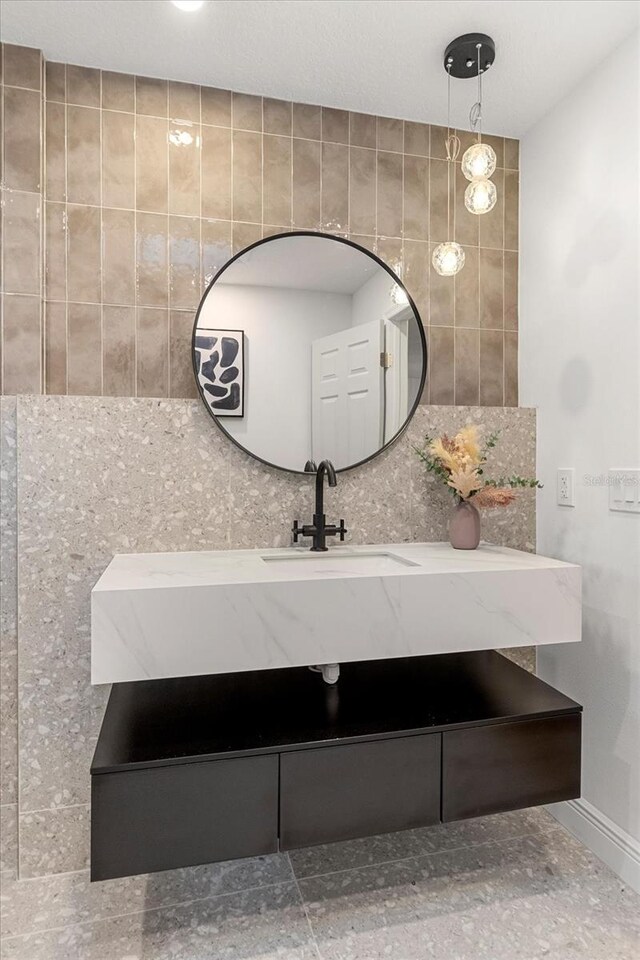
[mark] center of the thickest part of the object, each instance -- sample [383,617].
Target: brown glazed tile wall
[21,220]
[150,185]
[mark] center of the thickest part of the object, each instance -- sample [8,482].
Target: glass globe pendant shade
[480,196]
[479,161]
[448,258]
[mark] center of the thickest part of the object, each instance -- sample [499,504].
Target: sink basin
[349,564]
[159,615]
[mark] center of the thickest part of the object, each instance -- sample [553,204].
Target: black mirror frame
[395,278]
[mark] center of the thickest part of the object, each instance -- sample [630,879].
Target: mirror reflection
[306,348]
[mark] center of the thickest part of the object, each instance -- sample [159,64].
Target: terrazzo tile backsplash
[123,195]
[117,475]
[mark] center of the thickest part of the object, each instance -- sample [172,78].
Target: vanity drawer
[506,766]
[178,815]
[356,790]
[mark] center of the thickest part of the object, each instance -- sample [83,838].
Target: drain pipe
[330,671]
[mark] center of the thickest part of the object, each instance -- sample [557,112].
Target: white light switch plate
[624,490]
[565,487]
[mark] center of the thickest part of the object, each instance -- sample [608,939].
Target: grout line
[430,853]
[68,806]
[101,236]
[43,234]
[231,198]
[187,308]
[135,242]
[42,148]
[262,165]
[321,152]
[135,913]
[403,229]
[94,206]
[504,236]
[230,126]
[17,86]
[18,570]
[167,245]
[376,228]
[2,235]
[65,222]
[303,904]
[349,148]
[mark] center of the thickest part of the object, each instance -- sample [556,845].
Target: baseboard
[606,839]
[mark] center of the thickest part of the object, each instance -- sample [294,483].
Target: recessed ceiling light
[188,5]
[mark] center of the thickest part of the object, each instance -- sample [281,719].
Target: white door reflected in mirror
[307,347]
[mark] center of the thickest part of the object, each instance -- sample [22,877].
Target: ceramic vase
[464,527]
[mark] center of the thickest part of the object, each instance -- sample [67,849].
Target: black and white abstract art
[219,360]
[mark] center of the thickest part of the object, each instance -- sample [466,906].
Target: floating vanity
[163,615]
[203,769]
[219,743]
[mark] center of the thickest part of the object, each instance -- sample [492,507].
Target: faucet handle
[342,530]
[296,531]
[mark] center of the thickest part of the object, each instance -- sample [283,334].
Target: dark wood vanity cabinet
[359,790]
[506,766]
[202,769]
[175,816]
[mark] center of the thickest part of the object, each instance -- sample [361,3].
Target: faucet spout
[325,468]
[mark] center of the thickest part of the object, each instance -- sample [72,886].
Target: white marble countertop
[183,614]
[146,571]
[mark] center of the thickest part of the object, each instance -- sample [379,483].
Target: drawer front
[175,816]
[357,790]
[507,766]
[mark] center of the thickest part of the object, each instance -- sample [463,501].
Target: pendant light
[448,257]
[480,196]
[479,161]
[466,57]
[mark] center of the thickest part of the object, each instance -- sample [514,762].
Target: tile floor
[510,887]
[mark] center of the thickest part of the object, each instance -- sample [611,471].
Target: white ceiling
[321,265]
[375,56]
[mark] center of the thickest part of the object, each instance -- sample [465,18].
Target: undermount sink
[161,615]
[336,562]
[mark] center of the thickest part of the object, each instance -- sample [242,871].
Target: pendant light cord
[479,47]
[449,149]
[475,114]
[453,149]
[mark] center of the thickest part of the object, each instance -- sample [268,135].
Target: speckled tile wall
[150,185]
[100,476]
[8,637]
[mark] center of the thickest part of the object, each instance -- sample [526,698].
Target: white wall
[279,326]
[580,366]
[373,299]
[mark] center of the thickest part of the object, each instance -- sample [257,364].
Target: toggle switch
[624,490]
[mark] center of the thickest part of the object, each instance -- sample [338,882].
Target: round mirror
[307,347]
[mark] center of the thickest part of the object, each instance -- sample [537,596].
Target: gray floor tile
[8,840]
[516,900]
[57,901]
[268,924]
[327,858]
[538,896]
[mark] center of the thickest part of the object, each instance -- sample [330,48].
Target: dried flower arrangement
[458,461]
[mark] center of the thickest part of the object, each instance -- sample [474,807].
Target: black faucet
[320,529]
